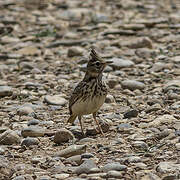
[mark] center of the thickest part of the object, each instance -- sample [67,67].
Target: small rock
[140,166]
[2,150]
[140,145]
[131,113]
[159,66]
[72,151]
[87,155]
[33,122]
[139,43]
[33,131]
[150,176]
[9,137]
[114,174]
[109,99]
[154,107]
[29,50]
[75,51]
[121,63]
[5,91]
[166,118]
[112,83]
[168,167]
[132,85]
[25,110]
[85,167]
[61,176]
[55,100]
[134,159]
[77,159]
[63,135]
[124,127]
[178,146]
[87,140]
[145,53]
[114,166]
[29,141]
[19,178]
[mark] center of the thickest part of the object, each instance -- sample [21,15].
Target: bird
[90,94]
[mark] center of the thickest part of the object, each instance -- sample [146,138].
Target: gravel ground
[44,48]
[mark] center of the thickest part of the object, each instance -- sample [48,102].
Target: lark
[89,95]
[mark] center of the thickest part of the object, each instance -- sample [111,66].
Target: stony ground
[44,47]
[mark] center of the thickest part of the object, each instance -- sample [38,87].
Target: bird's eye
[97,63]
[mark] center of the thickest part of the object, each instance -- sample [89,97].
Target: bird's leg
[81,124]
[97,122]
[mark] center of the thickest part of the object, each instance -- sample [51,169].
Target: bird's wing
[77,94]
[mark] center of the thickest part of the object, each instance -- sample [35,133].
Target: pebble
[87,140]
[33,131]
[166,118]
[114,166]
[139,43]
[168,167]
[19,178]
[25,111]
[140,166]
[61,176]
[75,51]
[121,63]
[72,151]
[150,176]
[114,174]
[5,91]
[140,145]
[29,141]
[131,113]
[63,135]
[2,150]
[145,53]
[124,128]
[55,100]
[87,155]
[33,122]
[134,159]
[178,146]
[85,167]
[77,159]
[9,137]
[132,85]
[109,99]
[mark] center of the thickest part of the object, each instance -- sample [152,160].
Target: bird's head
[96,64]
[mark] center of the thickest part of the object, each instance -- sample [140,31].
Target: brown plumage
[89,95]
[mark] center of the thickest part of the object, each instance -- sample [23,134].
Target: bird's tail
[71,119]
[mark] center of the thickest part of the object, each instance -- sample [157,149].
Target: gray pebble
[132,85]
[114,174]
[33,131]
[9,137]
[168,167]
[124,127]
[131,113]
[25,110]
[114,166]
[29,141]
[121,63]
[55,100]
[85,167]
[140,145]
[5,91]
[75,51]
[33,122]
[63,135]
